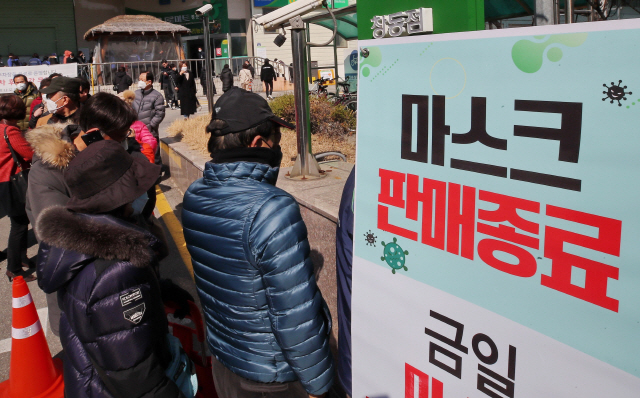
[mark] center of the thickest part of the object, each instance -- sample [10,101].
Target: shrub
[326,118]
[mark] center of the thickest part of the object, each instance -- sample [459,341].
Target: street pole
[207,65]
[568,11]
[306,166]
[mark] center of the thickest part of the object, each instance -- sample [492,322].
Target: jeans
[17,246]
[230,385]
[268,85]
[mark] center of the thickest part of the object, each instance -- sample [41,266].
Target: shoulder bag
[15,196]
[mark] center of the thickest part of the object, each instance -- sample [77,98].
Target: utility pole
[207,65]
[306,165]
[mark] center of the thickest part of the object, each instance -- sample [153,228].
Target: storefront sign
[410,22]
[497,222]
[34,74]
[218,17]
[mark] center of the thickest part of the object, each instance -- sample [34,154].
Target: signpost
[497,225]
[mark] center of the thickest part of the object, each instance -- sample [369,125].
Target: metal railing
[101,75]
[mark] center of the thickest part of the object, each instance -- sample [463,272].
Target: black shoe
[27,276]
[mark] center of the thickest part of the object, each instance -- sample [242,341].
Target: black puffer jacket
[226,76]
[113,327]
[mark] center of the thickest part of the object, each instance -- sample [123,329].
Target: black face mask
[277,158]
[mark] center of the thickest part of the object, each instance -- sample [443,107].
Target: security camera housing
[204,10]
[284,14]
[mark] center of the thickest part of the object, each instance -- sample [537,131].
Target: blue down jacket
[266,318]
[113,327]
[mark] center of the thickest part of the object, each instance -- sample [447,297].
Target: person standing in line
[122,80]
[187,91]
[268,325]
[344,262]
[105,267]
[1,62]
[85,88]
[149,105]
[12,110]
[245,77]
[268,75]
[45,60]
[226,76]
[62,101]
[28,92]
[35,60]
[37,106]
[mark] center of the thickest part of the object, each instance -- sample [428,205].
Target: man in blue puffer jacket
[267,323]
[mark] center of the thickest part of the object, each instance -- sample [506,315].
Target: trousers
[268,85]
[230,385]
[17,245]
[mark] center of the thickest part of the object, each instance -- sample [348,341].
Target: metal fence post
[207,69]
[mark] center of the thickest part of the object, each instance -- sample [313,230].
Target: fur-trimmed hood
[99,236]
[52,145]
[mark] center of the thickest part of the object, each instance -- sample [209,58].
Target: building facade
[46,27]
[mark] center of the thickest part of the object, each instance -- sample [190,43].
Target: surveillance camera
[204,10]
[284,14]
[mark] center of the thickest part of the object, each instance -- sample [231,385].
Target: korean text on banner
[34,74]
[497,225]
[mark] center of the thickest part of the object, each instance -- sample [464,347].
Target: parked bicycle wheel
[352,105]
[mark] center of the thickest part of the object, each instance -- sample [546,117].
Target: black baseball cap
[63,83]
[242,110]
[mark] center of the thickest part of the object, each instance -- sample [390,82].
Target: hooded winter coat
[113,326]
[226,76]
[149,104]
[266,318]
[27,96]
[53,150]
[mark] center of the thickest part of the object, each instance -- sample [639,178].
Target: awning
[346,18]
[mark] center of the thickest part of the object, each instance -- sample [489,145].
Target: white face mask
[142,84]
[21,86]
[52,105]
[184,69]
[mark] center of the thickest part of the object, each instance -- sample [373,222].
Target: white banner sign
[34,74]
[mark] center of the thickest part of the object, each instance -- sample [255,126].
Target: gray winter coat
[150,107]
[52,152]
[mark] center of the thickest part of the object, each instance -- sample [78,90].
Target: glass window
[238,26]
[239,46]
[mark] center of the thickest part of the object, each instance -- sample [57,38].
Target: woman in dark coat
[12,109]
[172,81]
[122,81]
[226,76]
[187,91]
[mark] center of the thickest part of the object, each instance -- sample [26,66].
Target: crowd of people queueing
[68,58]
[92,163]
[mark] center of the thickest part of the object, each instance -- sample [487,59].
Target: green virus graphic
[616,92]
[528,55]
[394,256]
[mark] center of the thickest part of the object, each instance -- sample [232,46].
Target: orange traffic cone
[33,373]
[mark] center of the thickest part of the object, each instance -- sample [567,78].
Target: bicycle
[319,88]
[347,98]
